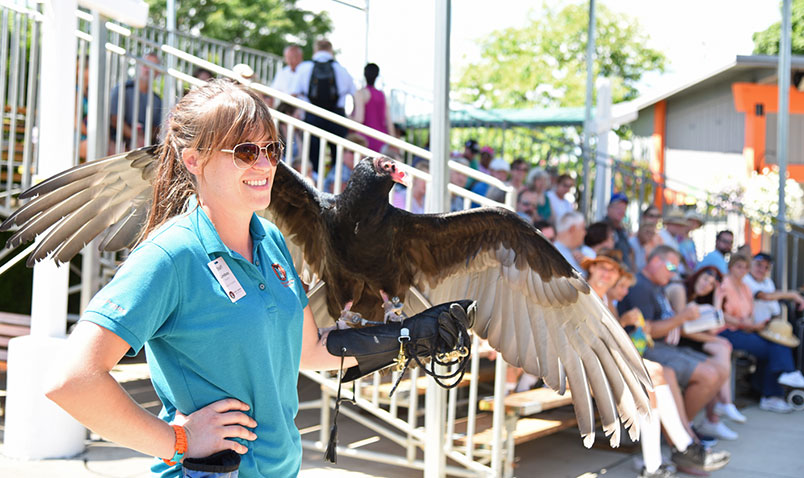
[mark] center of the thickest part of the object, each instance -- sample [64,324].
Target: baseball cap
[471,144]
[488,150]
[499,164]
[763,256]
[618,197]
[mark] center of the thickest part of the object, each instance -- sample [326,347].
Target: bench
[528,415]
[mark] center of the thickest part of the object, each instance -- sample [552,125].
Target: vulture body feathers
[533,307]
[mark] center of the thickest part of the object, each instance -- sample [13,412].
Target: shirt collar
[208,235]
[323,56]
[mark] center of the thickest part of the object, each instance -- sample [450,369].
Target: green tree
[266,25]
[766,42]
[543,63]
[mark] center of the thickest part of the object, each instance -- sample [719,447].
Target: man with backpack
[324,83]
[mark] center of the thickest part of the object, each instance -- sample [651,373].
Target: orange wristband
[181,446]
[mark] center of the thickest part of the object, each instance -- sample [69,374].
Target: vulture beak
[393,169]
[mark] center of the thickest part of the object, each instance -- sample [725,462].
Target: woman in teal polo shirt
[212,295]
[224,347]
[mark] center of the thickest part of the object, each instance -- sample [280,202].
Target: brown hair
[218,115]
[736,258]
[689,284]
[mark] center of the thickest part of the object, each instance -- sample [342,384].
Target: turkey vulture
[533,307]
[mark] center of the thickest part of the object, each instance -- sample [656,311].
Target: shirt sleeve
[142,296]
[642,299]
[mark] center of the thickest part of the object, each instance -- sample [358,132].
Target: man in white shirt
[285,78]
[766,297]
[344,85]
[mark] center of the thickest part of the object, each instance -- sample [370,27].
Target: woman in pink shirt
[371,108]
[775,367]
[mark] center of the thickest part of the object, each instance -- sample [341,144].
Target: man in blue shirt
[718,258]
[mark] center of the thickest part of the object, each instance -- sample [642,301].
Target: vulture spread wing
[532,307]
[111,194]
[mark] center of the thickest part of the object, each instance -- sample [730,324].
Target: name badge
[227,280]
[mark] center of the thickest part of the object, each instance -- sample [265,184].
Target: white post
[434,456]
[35,426]
[603,166]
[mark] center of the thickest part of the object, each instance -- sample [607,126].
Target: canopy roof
[502,118]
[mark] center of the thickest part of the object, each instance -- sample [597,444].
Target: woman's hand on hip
[208,428]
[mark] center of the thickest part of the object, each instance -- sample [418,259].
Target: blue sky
[696,35]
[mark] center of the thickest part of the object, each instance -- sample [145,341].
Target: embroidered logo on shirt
[282,275]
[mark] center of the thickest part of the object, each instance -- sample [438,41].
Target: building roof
[724,72]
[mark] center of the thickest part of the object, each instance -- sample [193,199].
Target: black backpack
[323,90]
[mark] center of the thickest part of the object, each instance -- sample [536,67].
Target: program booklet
[710,318]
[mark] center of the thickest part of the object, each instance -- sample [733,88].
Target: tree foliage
[766,42]
[266,25]
[543,64]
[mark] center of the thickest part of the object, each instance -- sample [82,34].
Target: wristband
[180,448]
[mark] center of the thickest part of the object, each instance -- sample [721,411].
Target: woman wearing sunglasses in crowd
[776,366]
[610,279]
[212,294]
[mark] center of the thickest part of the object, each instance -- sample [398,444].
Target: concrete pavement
[770,446]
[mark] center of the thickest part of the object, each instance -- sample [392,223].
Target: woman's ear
[191,160]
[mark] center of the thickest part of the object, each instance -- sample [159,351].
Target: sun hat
[611,256]
[677,218]
[781,332]
[693,215]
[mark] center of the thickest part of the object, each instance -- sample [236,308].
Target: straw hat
[612,256]
[676,217]
[781,332]
[693,215]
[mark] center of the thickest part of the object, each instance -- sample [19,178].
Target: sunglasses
[670,266]
[245,155]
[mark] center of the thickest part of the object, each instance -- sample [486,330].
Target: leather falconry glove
[438,330]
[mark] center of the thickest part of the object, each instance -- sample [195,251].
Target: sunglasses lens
[246,154]
[274,151]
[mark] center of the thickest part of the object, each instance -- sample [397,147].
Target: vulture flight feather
[533,307]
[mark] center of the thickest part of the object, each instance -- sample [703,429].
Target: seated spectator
[570,231]
[526,205]
[643,242]
[547,229]
[776,367]
[470,150]
[650,215]
[458,203]
[539,181]
[347,166]
[674,232]
[499,169]
[605,273]
[615,213]
[145,113]
[519,172]
[723,244]
[766,297]
[702,288]
[559,205]
[686,246]
[392,151]
[418,191]
[696,372]
[484,163]
[599,235]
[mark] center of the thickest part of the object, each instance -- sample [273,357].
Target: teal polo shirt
[201,347]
